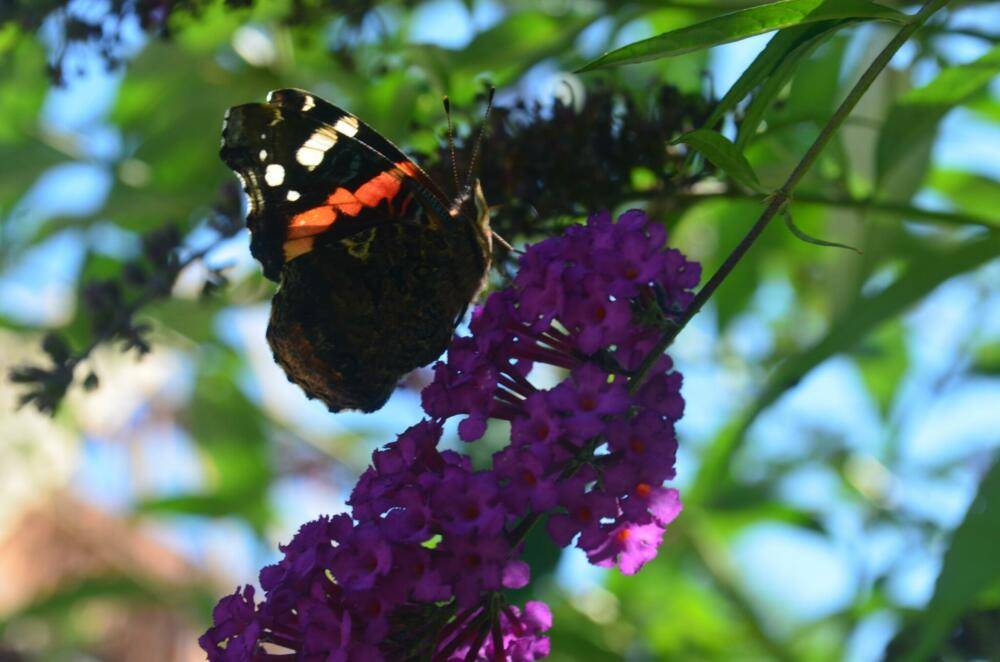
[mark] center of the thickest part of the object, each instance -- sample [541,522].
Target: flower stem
[778,199]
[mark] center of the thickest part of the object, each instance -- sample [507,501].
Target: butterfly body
[375,264]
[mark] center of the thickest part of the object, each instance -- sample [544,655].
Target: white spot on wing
[347,125]
[292,195]
[274,174]
[312,151]
[308,104]
[263,155]
[251,202]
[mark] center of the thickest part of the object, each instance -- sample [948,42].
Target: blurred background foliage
[842,410]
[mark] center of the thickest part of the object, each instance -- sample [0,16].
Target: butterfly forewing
[310,180]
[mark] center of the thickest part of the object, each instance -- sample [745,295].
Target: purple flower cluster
[424,542]
[590,451]
[418,567]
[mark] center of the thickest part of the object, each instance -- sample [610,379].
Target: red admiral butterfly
[376,264]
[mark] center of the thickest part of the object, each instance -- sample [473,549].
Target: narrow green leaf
[742,24]
[911,124]
[777,51]
[809,239]
[725,155]
[971,193]
[209,504]
[775,83]
[971,565]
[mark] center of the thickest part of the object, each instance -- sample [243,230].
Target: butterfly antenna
[451,143]
[479,138]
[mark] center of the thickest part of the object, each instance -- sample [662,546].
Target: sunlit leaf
[971,193]
[742,24]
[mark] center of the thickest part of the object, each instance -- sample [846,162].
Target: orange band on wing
[384,186]
[297,247]
[310,222]
[345,202]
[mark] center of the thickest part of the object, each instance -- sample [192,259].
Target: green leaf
[778,49]
[911,125]
[194,319]
[211,504]
[742,24]
[971,566]
[725,155]
[928,270]
[812,95]
[778,79]
[23,91]
[971,193]
[883,360]
[809,239]
[986,359]
[986,107]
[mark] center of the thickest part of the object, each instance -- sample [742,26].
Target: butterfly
[376,265]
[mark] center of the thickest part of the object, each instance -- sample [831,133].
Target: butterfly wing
[292,100]
[376,264]
[315,174]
